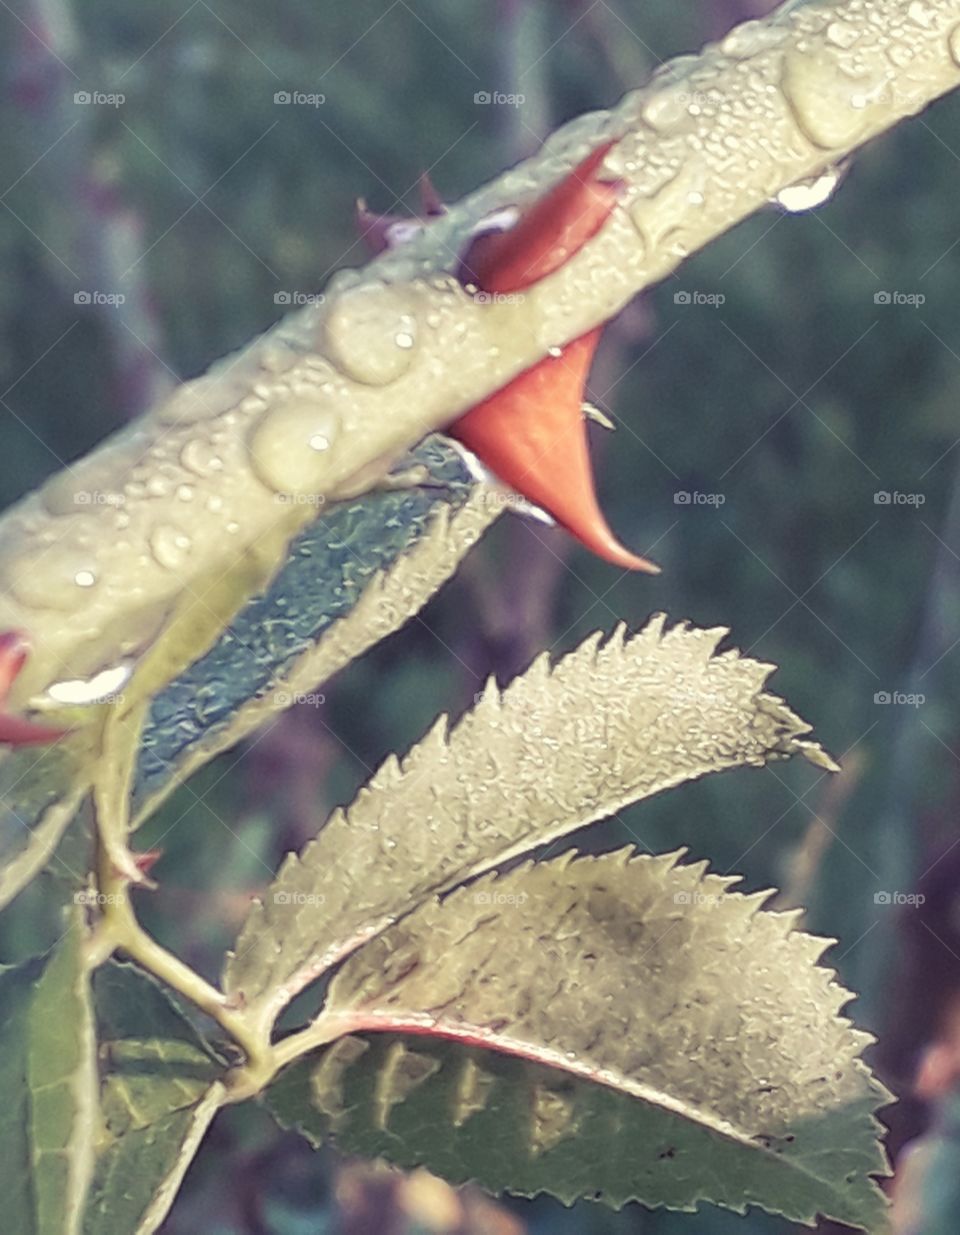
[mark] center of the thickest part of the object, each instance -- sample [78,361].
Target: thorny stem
[118,929]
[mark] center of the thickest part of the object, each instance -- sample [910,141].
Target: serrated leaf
[617,1028]
[47,1090]
[562,747]
[160,1088]
[353,576]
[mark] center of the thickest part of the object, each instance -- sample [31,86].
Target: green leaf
[47,1090]
[617,1028]
[560,748]
[356,574]
[41,789]
[160,1089]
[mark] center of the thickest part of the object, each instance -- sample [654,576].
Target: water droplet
[371,333]
[276,357]
[921,14]
[50,580]
[290,447]
[750,38]
[655,215]
[819,94]
[158,485]
[842,34]
[900,54]
[80,691]
[806,194]
[953,43]
[200,456]
[170,546]
[555,352]
[667,109]
[185,493]
[251,405]
[201,399]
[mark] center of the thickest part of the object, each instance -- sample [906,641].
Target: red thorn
[547,234]
[14,647]
[14,730]
[146,861]
[532,433]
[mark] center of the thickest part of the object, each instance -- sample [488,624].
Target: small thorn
[598,416]
[431,203]
[146,861]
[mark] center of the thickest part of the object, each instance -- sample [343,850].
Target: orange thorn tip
[532,436]
[531,433]
[15,730]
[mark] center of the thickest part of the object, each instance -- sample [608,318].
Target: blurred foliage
[797,400]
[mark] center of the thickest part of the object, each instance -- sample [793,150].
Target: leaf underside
[47,1090]
[159,1091]
[344,557]
[563,746]
[573,1028]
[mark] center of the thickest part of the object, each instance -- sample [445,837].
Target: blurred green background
[783,412]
